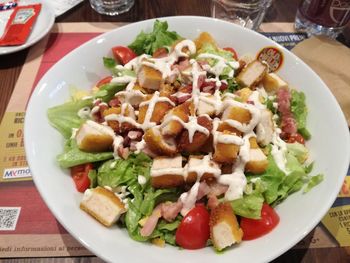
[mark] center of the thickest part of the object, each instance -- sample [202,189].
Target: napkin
[331,61]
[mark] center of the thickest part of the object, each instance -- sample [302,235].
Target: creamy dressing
[141,179]
[279,151]
[140,146]
[123,79]
[84,113]
[117,142]
[189,199]
[213,100]
[202,166]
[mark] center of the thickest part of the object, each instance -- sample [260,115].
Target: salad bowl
[299,214]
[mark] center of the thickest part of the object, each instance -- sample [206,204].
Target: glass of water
[246,13]
[111,7]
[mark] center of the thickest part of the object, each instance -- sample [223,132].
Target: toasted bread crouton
[252,74]
[272,82]
[205,168]
[206,105]
[159,110]
[167,172]
[103,205]
[237,113]
[125,110]
[265,128]
[171,126]
[224,228]
[225,152]
[94,137]
[149,78]
[158,144]
[199,138]
[258,161]
[134,96]
[244,94]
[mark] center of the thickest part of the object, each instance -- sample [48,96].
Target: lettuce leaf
[150,42]
[298,150]
[107,91]
[72,156]
[299,110]
[65,117]
[248,206]
[314,180]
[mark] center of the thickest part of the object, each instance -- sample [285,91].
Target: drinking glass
[246,13]
[111,7]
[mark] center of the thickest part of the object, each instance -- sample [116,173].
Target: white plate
[42,26]
[299,214]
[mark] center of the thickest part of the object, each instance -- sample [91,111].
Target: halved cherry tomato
[234,53]
[193,231]
[296,138]
[123,54]
[80,176]
[103,81]
[254,228]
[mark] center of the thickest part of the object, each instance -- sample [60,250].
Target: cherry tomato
[234,53]
[80,176]
[254,228]
[193,231]
[296,138]
[123,54]
[103,81]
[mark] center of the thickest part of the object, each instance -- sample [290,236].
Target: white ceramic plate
[42,26]
[299,213]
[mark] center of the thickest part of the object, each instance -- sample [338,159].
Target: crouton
[126,110]
[134,96]
[234,113]
[149,78]
[199,138]
[167,172]
[258,161]
[252,74]
[159,110]
[103,205]
[94,137]
[205,168]
[206,105]
[224,228]
[265,128]
[272,82]
[225,152]
[158,144]
[244,94]
[174,127]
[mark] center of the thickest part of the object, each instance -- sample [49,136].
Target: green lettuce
[299,110]
[298,150]
[65,117]
[248,206]
[148,43]
[107,91]
[72,156]
[313,181]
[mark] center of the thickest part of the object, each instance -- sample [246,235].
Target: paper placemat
[27,227]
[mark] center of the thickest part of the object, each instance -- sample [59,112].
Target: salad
[185,143]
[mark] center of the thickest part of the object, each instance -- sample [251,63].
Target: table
[280,11]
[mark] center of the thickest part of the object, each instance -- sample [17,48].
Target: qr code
[9,217]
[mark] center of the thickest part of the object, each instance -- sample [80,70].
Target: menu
[27,227]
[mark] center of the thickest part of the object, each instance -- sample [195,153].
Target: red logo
[272,56]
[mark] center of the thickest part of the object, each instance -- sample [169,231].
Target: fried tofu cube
[158,144]
[257,159]
[103,205]
[149,78]
[94,137]
[171,126]
[272,82]
[224,228]
[265,128]
[167,172]
[252,74]
[206,168]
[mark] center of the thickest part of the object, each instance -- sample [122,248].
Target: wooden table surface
[280,11]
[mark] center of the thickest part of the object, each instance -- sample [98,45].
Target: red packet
[20,25]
